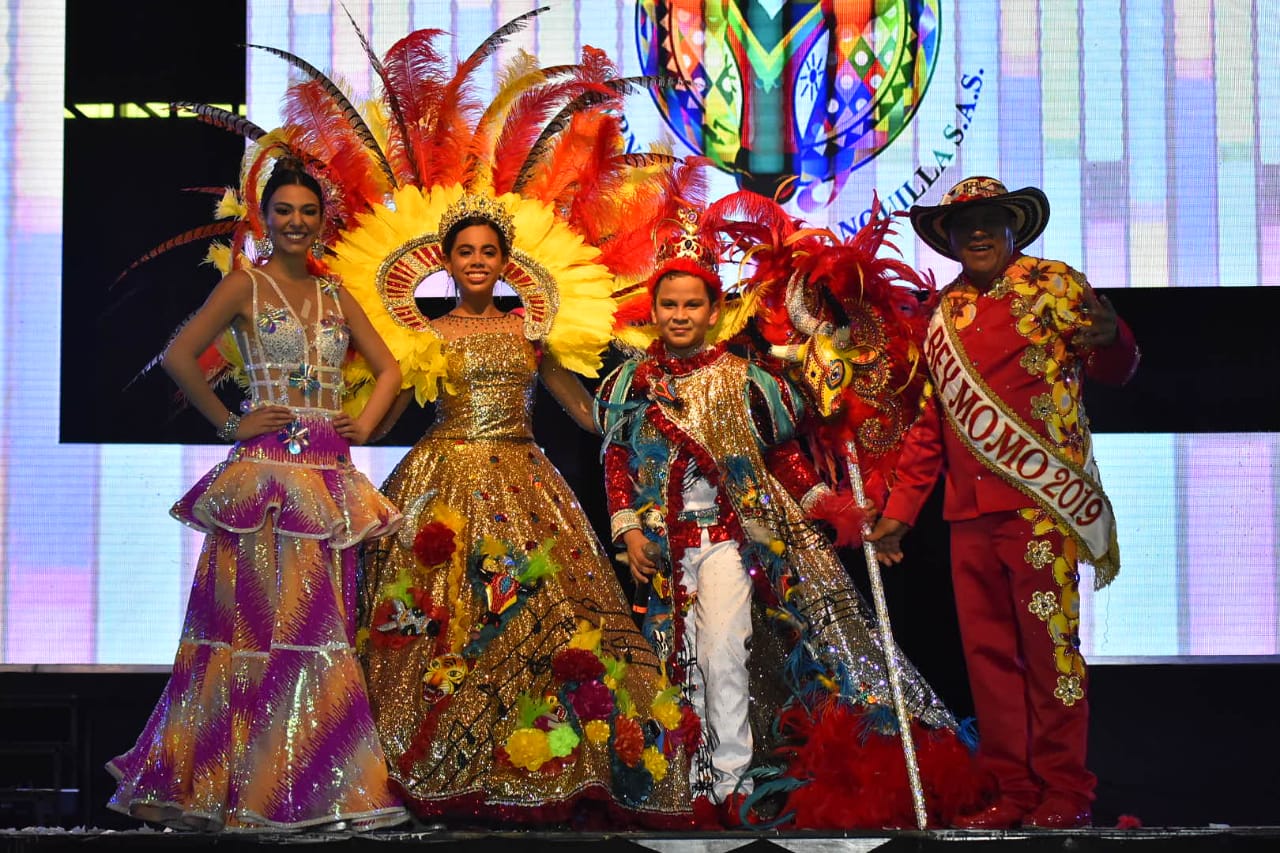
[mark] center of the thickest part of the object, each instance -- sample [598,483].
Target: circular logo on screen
[775,90]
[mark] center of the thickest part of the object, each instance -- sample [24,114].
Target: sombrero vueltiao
[1029,207]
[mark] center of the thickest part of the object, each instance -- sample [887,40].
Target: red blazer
[1008,333]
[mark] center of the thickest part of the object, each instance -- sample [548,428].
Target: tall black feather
[204,232]
[218,117]
[349,112]
[393,100]
[500,36]
[598,93]
[644,159]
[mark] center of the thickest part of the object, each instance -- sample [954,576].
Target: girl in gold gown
[508,680]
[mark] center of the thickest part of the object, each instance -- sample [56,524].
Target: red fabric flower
[628,740]
[577,665]
[434,544]
[591,700]
[690,733]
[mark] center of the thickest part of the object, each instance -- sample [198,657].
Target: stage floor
[1175,840]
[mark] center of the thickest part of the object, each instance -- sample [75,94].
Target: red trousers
[1017,598]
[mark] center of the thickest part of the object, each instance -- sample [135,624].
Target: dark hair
[450,238]
[713,291]
[289,172]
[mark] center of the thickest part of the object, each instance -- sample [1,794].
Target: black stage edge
[1075,841]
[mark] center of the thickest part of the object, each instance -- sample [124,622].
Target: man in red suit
[1007,349]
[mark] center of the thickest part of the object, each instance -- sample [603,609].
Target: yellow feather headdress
[545,160]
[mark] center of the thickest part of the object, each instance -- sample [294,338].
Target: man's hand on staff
[887,536]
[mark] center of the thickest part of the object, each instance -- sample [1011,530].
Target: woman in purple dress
[265,722]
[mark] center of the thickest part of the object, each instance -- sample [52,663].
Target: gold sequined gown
[497,700]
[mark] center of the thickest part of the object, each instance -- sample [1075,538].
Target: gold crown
[687,244]
[482,206]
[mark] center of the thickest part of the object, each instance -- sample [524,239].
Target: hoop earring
[317,250]
[263,247]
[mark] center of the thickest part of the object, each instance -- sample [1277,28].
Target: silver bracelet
[227,432]
[811,497]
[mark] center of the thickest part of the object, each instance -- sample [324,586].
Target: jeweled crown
[483,206]
[687,244]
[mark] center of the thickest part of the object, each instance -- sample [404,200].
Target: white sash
[1070,493]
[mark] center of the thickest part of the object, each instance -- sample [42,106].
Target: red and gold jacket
[1018,337]
[713,414]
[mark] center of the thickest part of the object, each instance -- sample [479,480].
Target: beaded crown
[483,206]
[687,244]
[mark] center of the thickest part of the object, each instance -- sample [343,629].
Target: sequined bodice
[493,375]
[291,361]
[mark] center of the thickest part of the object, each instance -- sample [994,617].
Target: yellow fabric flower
[1065,571]
[586,637]
[668,714]
[655,762]
[528,748]
[1043,605]
[597,732]
[1070,603]
[1039,553]
[1069,689]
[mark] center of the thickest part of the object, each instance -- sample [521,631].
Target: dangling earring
[263,247]
[317,250]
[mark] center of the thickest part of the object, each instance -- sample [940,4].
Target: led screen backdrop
[1155,138]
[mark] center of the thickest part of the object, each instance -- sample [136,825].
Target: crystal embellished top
[289,361]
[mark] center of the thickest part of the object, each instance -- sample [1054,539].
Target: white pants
[717,631]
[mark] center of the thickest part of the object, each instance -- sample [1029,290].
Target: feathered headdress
[734,231]
[545,160]
[851,319]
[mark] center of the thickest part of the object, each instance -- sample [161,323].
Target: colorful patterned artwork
[789,93]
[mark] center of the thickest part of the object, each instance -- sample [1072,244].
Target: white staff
[886,642]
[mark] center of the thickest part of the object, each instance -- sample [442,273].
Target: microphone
[640,593]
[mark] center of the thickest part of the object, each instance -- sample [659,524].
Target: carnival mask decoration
[443,677]
[501,586]
[408,621]
[835,358]
[850,320]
